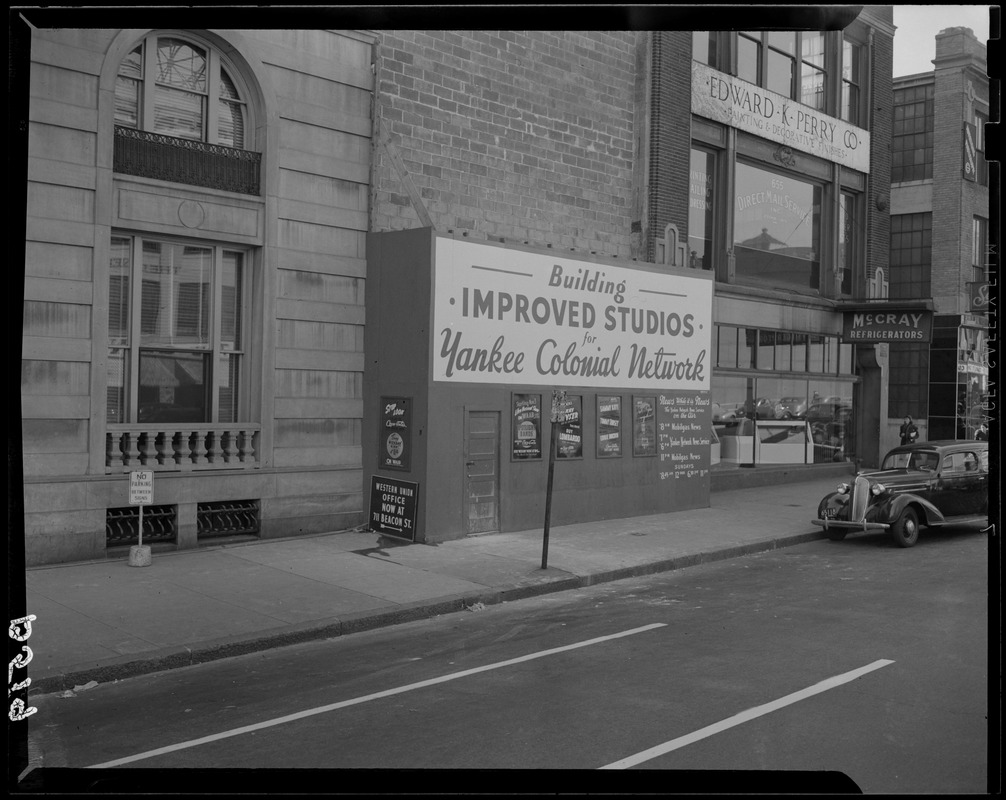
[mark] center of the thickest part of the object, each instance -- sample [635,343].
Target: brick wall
[878,224]
[955,201]
[511,135]
[670,134]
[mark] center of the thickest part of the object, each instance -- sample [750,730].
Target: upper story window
[177,87]
[912,134]
[852,82]
[911,256]
[790,63]
[777,229]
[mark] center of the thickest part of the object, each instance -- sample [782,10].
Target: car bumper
[845,525]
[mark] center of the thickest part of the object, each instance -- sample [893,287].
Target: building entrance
[482,437]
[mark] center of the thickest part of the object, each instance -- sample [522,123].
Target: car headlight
[877,488]
[843,488]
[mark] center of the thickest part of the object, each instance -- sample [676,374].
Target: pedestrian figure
[909,433]
[982,434]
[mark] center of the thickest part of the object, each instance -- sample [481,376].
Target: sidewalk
[105,620]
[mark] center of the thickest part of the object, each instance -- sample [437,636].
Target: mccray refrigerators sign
[509,316]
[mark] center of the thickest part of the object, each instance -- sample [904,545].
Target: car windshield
[918,460]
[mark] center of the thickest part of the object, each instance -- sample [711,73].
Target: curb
[357,622]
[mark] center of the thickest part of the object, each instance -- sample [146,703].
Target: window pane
[704,47]
[812,87]
[177,281]
[127,102]
[231,124]
[132,65]
[812,48]
[780,74]
[116,381]
[172,387]
[815,352]
[700,209]
[119,270]
[830,415]
[799,352]
[726,353]
[181,65]
[783,40]
[765,357]
[730,396]
[747,59]
[776,228]
[230,301]
[178,113]
[227,403]
[783,351]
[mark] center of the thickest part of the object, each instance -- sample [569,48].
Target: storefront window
[782,418]
[830,418]
[777,229]
[700,209]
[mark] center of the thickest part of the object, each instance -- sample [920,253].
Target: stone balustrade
[181,447]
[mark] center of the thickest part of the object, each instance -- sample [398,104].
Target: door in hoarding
[482,444]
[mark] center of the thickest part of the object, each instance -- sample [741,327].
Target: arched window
[178,87]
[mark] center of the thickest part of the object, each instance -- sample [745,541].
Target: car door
[973,486]
[962,484]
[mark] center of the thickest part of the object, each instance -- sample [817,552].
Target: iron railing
[169,158]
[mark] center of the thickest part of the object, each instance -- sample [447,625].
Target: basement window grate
[122,525]
[227,518]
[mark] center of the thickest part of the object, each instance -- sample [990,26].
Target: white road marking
[745,716]
[366,698]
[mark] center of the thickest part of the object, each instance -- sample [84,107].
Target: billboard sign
[515,317]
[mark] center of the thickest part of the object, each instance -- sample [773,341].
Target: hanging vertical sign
[970,159]
[396,440]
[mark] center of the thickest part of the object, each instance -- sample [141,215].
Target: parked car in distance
[924,484]
[723,412]
[791,408]
[762,408]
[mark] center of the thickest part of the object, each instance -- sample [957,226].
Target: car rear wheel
[905,530]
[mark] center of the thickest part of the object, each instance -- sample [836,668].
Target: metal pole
[548,492]
[141,525]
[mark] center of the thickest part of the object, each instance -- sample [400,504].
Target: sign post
[141,493]
[558,401]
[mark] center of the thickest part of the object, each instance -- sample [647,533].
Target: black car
[924,484]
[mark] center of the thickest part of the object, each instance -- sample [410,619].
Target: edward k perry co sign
[509,316]
[742,105]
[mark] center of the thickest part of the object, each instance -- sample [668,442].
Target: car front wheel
[905,530]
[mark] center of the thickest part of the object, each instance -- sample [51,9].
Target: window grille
[227,518]
[122,525]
